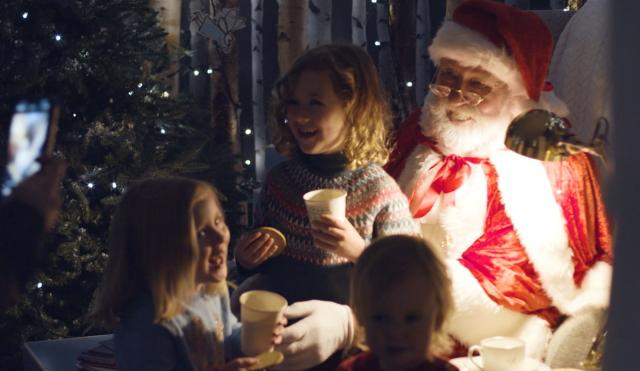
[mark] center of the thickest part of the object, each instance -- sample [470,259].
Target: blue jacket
[204,335]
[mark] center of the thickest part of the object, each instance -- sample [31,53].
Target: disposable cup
[326,201]
[260,312]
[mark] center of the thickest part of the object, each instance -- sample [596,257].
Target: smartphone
[31,135]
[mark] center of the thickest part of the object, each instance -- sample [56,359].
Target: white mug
[499,353]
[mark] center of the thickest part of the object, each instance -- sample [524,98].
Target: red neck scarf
[443,178]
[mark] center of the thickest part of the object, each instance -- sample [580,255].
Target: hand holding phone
[31,135]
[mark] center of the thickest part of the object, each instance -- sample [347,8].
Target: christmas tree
[106,61]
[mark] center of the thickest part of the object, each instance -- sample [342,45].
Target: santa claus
[526,242]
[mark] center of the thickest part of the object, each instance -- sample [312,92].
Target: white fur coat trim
[472,49]
[538,220]
[476,316]
[456,226]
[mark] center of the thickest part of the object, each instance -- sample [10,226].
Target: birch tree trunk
[199,85]
[359,23]
[423,39]
[169,15]
[319,22]
[224,91]
[402,15]
[257,90]
[385,64]
[292,31]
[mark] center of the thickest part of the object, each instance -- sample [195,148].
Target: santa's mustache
[441,110]
[480,134]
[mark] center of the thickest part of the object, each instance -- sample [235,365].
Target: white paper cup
[260,311]
[326,201]
[499,353]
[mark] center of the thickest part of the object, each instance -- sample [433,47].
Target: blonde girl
[331,119]
[164,288]
[401,295]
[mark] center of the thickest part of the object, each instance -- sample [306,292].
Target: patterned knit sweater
[375,207]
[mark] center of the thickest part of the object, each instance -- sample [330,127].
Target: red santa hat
[513,45]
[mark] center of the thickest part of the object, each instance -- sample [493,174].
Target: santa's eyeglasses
[444,91]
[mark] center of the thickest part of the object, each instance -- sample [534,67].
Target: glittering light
[25,15]
[209,71]
[165,94]
[39,285]
[247,162]
[140,85]
[567,9]
[247,131]
[377,43]
[74,114]
[90,185]
[374,1]
[57,37]
[196,72]
[131,92]
[162,131]
[409,84]
[114,185]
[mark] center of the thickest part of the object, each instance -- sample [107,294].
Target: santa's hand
[338,236]
[254,248]
[324,327]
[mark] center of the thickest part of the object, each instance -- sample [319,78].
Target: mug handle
[472,350]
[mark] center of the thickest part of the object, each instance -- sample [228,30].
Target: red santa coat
[525,241]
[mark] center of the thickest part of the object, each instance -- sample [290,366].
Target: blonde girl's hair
[389,260]
[153,247]
[356,83]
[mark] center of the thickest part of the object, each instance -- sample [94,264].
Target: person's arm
[25,216]
[21,252]
[394,216]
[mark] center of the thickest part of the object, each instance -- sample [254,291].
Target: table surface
[58,355]
[464,364]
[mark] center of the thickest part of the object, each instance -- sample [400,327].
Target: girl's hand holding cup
[337,235]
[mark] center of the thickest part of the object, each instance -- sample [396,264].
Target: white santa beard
[483,135]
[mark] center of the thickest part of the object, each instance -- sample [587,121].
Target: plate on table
[464,364]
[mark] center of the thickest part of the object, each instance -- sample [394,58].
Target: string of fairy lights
[197,72]
[91,185]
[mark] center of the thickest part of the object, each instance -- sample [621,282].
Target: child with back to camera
[331,119]
[164,287]
[400,294]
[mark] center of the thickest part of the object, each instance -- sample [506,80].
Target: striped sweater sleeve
[394,216]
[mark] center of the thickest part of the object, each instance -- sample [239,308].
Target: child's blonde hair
[152,247]
[389,260]
[355,81]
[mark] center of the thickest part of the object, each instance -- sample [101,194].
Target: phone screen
[27,139]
